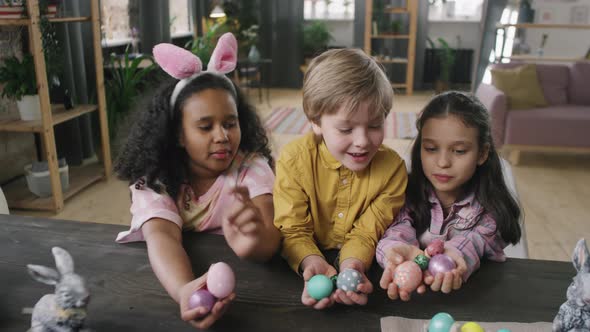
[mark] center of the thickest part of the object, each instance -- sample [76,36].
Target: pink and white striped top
[467,228]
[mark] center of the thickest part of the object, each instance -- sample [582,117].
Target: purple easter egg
[202,298]
[440,264]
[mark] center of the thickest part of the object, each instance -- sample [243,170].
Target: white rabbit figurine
[574,314]
[66,309]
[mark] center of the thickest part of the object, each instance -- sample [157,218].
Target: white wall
[468,31]
[342,31]
[561,42]
[455,19]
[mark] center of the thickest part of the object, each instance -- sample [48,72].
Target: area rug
[292,120]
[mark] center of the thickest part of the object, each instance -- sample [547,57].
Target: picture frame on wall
[579,15]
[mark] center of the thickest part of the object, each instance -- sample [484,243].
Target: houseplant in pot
[19,83]
[316,37]
[446,57]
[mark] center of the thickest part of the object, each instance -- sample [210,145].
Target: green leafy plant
[447,58]
[250,35]
[51,46]
[316,37]
[124,85]
[18,77]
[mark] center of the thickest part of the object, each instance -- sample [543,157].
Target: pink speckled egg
[221,280]
[201,298]
[436,247]
[407,276]
[441,264]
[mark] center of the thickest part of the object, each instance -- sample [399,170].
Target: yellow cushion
[520,85]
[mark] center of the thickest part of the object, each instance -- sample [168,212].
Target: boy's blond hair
[345,77]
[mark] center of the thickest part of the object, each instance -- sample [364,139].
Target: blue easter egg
[348,280]
[441,322]
[319,286]
[504,330]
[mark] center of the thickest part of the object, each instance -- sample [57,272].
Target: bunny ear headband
[185,66]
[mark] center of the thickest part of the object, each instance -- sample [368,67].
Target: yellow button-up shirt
[320,204]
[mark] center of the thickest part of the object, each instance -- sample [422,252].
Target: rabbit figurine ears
[185,66]
[49,276]
[581,257]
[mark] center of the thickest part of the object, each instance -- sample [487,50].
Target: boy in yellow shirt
[338,187]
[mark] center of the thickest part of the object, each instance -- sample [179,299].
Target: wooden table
[126,296]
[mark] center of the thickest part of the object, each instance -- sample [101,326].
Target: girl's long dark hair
[152,149]
[487,182]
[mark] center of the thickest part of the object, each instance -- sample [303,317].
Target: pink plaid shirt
[467,228]
[203,213]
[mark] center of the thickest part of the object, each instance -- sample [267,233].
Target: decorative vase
[29,108]
[254,54]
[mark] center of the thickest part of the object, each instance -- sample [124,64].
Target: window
[328,10]
[455,10]
[181,23]
[115,22]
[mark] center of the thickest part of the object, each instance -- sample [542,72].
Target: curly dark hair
[487,182]
[152,150]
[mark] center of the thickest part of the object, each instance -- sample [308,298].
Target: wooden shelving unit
[17,193]
[535,58]
[411,9]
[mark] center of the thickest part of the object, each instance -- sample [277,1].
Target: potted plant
[446,56]
[126,81]
[316,37]
[250,40]
[20,84]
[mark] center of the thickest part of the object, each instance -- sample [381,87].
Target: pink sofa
[561,126]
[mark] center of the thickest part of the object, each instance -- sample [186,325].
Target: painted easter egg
[319,286]
[407,276]
[202,298]
[441,322]
[440,264]
[436,247]
[221,280]
[504,330]
[348,280]
[422,261]
[471,327]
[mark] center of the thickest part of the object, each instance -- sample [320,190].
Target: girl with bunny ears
[198,159]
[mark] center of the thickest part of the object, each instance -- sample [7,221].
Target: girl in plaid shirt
[456,193]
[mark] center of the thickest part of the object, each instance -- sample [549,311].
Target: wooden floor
[554,189]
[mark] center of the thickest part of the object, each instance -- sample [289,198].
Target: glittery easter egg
[436,247]
[320,286]
[407,276]
[441,322]
[440,264]
[220,280]
[348,280]
[422,261]
[471,327]
[201,298]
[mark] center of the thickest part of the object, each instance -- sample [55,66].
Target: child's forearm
[168,258]
[401,232]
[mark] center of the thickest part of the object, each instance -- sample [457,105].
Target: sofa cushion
[521,85]
[554,80]
[579,89]
[565,125]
